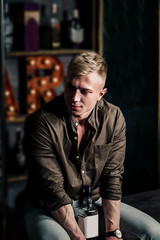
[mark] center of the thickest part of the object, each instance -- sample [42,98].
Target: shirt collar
[92,119]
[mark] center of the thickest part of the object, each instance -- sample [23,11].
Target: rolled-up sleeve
[45,187]
[111,179]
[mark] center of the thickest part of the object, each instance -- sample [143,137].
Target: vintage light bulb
[56,67]
[54,79]
[32,91]
[42,82]
[31,62]
[11,108]
[7,93]
[48,93]
[32,106]
[46,61]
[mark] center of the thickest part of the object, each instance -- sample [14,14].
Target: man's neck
[82,130]
[82,122]
[82,118]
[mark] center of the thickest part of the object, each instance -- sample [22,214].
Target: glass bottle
[64,30]
[88,215]
[9,28]
[76,31]
[44,29]
[55,27]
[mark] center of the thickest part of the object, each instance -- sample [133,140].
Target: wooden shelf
[16,119]
[12,179]
[45,52]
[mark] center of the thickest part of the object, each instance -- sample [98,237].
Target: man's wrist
[116,233]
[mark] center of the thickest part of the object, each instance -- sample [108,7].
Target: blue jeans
[134,224]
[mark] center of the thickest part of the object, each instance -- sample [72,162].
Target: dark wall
[131,50]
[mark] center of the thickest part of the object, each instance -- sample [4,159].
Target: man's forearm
[111,209]
[65,217]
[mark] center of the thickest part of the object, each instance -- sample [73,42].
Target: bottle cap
[76,13]
[54,7]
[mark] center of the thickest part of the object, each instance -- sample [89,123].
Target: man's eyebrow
[82,89]
[86,89]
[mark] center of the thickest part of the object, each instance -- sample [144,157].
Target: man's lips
[75,107]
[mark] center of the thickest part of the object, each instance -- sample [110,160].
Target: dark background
[131,50]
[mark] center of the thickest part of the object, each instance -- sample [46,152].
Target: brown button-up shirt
[57,170]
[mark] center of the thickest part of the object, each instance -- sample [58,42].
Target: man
[78,139]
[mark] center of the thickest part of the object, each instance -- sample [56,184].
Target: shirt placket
[85,179]
[80,162]
[76,154]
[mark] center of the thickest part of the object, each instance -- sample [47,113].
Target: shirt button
[76,124]
[77,157]
[75,138]
[83,171]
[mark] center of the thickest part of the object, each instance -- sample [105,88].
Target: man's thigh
[138,224]
[134,223]
[41,226]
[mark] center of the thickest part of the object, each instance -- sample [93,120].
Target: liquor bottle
[64,30]
[55,27]
[9,28]
[88,215]
[44,29]
[31,26]
[19,156]
[76,31]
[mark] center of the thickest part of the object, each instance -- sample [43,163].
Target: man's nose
[77,96]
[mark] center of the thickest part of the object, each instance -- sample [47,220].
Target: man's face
[81,94]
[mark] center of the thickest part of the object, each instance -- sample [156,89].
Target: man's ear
[102,92]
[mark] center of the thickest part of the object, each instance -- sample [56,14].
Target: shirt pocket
[101,153]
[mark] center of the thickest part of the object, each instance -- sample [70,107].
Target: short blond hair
[88,62]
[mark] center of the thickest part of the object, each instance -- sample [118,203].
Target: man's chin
[76,111]
[76,114]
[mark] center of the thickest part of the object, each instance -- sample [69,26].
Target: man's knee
[140,223]
[41,226]
[152,231]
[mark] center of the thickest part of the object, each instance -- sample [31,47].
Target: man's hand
[65,217]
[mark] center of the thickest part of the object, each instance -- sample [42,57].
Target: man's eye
[84,92]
